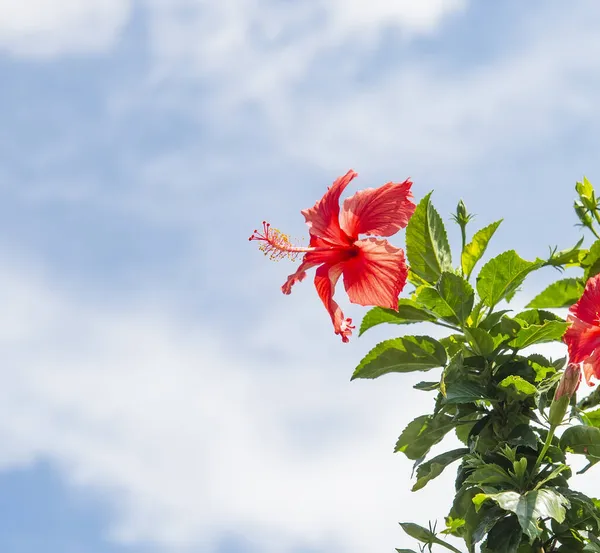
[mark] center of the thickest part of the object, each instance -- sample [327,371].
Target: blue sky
[158,391]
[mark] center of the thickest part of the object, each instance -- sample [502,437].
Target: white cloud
[190,438]
[299,67]
[49,28]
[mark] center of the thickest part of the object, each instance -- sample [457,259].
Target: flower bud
[583,214]
[567,386]
[462,216]
[585,190]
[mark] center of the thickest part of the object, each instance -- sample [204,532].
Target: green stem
[544,449]
[452,327]
[594,232]
[463,235]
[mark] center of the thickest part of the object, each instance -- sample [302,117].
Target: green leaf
[590,401]
[501,276]
[481,341]
[476,248]
[453,525]
[425,536]
[451,299]
[517,387]
[562,293]
[427,247]
[427,386]
[453,344]
[405,550]
[550,331]
[408,312]
[536,317]
[582,439]
[458,295]
[504,537]
[464,391]
[592,418]
[529,507]
[422,433]
[591,261]
[404,354]
[490,473]
[522,434]
[452,371]
[434,467]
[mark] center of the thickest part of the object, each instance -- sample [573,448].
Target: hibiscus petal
[581,338]
[380,211]
[587,308]
[298,276]
[376,274]
[326,278]
[591,367]
[323,218]
[312,259]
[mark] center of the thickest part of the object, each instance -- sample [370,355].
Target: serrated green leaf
[523,435]
[501,276]
[504,537]
[592,418]
[536,317]
[475,249]
[591,262]
[590,401]
[529,507]
[481,341]
[453,525]
[408,312]
[452,343]
[404,354]
[464,391]
[452,371]
[517,387]
[550,331]
[434,467]
[458,295]
[451,299]
[582,439]
[422,433]
[490,473]
[427,248]
[562,293]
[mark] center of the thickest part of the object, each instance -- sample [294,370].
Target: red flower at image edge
[374,271]
[583,336]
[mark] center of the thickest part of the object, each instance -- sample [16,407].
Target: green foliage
[475,249]
[501,277]
[529,507]
[408,312]
[451,299]
[423,433]
[404,354]
[427,248]
[512,483]
[434,467]
[562,293]
[584,440]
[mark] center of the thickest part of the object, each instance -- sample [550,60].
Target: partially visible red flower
[567,386]
[374,271]
[583,336]
[569,382]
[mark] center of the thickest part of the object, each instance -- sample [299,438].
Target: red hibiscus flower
[583,336]
[374,271]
